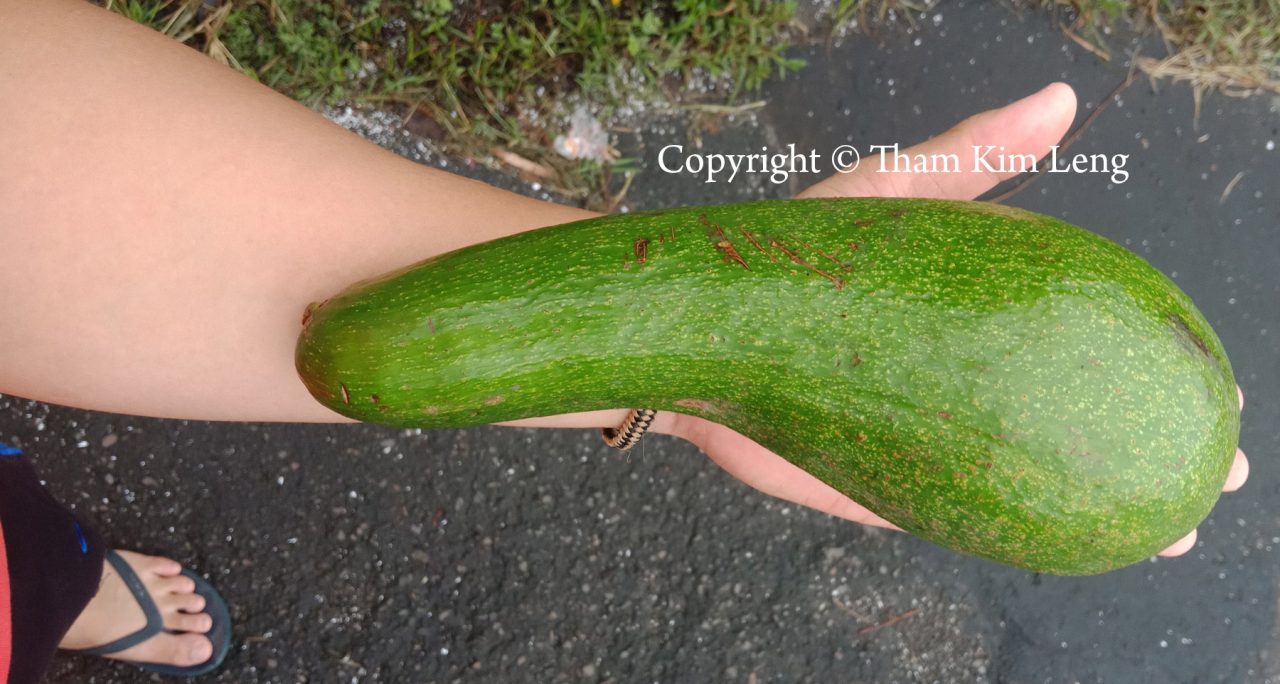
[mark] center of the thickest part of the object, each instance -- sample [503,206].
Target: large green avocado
[996,381]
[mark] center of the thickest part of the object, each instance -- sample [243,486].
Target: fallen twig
[521,164]
[1068,141]
[1230,186]
[611,201]
[891,621]
[1097,51]
[723,109]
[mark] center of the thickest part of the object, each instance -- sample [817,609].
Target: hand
[1029,126]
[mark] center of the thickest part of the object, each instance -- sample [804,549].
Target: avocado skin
[996,381]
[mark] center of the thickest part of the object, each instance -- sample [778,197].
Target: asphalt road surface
[358,553]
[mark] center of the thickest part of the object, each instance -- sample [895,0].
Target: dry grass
[1230,46]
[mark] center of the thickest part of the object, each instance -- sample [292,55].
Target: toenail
[199,653]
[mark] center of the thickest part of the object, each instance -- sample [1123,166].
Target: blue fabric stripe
[84,543]
[6,450]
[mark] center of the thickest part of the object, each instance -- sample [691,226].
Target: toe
[186,603]
[199,623]
[176,585]
[165,567]
[192,649]
[154,565]
[183,650]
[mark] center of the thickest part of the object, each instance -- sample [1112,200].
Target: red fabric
[6,615]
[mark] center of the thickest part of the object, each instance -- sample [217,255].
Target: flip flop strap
[155,623]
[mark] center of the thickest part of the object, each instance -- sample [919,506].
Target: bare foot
[114,613]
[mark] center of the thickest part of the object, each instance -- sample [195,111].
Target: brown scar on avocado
[722,245]
[1188,337]
[800,260]
[756,243]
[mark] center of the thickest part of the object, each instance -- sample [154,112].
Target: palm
[1030,126]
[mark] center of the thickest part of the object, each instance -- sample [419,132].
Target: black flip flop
[219,634]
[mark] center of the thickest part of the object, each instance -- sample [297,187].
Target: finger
[1029,126]
[766,471]
[1240,397]
[1239,473]
[1181,546]
[663,422]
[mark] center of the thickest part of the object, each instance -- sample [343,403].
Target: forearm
[164,221]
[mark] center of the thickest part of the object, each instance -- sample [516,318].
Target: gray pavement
[359,553]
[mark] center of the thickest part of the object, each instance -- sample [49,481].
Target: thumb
[1029,126]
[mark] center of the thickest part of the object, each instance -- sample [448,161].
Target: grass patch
[492,80]
[498,81]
